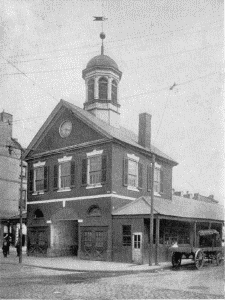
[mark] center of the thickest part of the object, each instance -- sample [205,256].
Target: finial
[102,36]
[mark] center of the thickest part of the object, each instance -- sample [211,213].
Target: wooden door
[37,241]
[94,243]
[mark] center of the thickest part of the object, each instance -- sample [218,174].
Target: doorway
[137,248]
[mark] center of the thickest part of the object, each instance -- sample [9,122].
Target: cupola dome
[102,61]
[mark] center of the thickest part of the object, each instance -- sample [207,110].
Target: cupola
[102,77]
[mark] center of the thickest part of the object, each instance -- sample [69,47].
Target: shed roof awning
[177,207]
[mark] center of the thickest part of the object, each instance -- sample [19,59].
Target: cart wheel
[218,258]
[199,259]
[176,259]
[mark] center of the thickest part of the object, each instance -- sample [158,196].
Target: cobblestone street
[33,282]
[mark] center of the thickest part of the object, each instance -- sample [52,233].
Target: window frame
[94,154]
[36,166]
[126,236]
[134,159]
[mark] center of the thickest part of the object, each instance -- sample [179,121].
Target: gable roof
[177,207]
[122,134]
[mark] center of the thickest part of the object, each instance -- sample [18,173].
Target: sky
[45,45]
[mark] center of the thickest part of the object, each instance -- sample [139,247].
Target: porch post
[157,241]
[194,234]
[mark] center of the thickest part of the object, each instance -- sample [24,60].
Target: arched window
[114,91]
[103,88]
[91,88]
[94,211]
[38,214]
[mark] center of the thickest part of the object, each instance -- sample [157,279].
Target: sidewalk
[74,264]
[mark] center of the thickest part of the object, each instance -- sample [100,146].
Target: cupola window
[91,85]
[114,91]
[103,88]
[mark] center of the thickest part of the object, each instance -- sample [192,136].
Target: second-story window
[38,178]
[64,174]
[158,179]
[94,169]
[132,177]
[103,88]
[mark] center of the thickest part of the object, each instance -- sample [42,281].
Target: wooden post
[195,242]
[157,241]
[152,213]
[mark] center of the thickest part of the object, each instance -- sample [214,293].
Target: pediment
[50,139]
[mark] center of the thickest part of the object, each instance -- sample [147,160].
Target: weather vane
[102,34]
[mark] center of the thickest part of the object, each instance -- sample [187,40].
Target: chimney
[144,136]
[211,197]
[188,195]
[196,196]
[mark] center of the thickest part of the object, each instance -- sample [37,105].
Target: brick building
[10,154]
[86,172]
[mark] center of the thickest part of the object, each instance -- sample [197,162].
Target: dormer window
[91,85]
[114,91]
[103,88]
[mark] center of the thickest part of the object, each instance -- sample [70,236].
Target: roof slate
[119,133]
[177,207]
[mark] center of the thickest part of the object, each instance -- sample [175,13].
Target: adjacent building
[10,180]
[89,181]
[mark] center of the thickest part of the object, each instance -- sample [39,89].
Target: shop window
[126,235]
[91,85]
[103,88]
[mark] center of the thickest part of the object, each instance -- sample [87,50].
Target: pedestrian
[18,247]
[5,248]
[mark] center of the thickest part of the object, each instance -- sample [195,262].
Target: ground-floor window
[126,235]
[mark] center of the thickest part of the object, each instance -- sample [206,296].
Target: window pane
[103,88]
[65,168]
[126,235]
[91,85]
[132,167]
[65,174]
[39,173]
[99,236]
[88,238]
[95,163]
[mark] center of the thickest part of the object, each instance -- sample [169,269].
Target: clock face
[65,129]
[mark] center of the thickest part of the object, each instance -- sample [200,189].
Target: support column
[157,241]
[96,90]
[110,88]
[195,234]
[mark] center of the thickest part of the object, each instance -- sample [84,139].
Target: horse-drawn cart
[209,246]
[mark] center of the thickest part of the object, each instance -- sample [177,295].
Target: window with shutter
[132,172]
[94,169]
[158,179]
[39,178]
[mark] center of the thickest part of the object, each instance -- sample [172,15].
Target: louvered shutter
[161,180]
[84,171]
[140,175]
[125,172]
[149,178]
[56,174]
[72,173]
[46,172]
[104,168]
[31,180]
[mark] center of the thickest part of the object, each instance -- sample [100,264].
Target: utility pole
[21,208]
[20,199]
[152,213]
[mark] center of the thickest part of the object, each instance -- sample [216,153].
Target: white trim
[132,188]
[82,198]
[133,157]
[93,186]
[94,153]
[64,190]
[65,159]
[39,164]
[38,193]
